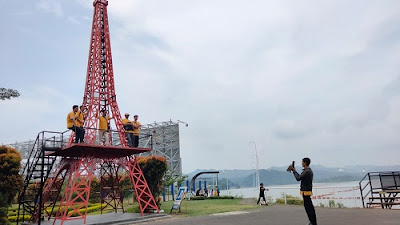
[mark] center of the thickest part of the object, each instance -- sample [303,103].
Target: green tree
[95,190]
[154,169]
[10,179]
[170,179]
[125,185]
[8,93]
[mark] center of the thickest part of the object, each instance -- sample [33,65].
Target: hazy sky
[300,78]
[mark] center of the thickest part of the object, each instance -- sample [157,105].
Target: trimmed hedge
[221,197]
[14,218]
[211,197]
[89,210]
[198,198]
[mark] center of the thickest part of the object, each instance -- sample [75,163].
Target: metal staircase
[36,172]
[380,189]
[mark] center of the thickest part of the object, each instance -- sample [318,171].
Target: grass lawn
[192,208]
[205,207]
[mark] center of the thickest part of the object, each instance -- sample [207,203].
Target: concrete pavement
[291,215]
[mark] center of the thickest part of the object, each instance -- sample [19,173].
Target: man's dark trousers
[135,141]
[309,207]
[130,139]
[79,133]
[259,198]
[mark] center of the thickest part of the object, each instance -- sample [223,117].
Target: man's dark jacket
[306,178]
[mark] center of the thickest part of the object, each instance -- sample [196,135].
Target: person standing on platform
[80,117]
[104,127]
[136,129]
[262,194]
[128,127]
[71,123]
[306,178]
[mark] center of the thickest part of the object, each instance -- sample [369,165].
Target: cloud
[22,13]
[50,6]
[288,129]
[73,20]
[318,78]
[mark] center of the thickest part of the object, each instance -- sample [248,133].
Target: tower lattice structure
[69,186]
[99,92]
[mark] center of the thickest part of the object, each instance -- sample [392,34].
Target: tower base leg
[76,196]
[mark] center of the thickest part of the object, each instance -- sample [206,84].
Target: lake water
[346,193]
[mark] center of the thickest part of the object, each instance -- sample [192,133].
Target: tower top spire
[99,95]
[105,2]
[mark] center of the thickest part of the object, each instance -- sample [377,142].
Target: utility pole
[257,166]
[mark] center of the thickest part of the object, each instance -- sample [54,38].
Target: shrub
[333,204]
[89,210]
[340,205]
[290,200]
[14,218]
[154,169]
[10,179]
[221,197]
[95,190]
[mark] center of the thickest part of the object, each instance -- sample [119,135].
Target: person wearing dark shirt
[306,178]
[262,194]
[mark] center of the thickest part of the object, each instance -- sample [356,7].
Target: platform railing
[374,182]
[145,139]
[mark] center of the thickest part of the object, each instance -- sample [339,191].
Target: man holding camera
[306,178]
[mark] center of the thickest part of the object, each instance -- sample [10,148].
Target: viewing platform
[96,151]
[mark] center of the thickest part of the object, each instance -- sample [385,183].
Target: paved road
[292,215]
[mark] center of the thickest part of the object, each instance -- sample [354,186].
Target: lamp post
[257,166]
[179,121]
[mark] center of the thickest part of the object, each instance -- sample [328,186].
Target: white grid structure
[165,143]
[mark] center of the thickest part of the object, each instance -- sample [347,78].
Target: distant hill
[279,175]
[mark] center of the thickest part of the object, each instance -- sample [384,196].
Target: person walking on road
[306,178]
[262,194]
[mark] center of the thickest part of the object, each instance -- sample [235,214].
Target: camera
[291,166]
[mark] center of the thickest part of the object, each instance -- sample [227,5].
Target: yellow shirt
[125,122]
[79,117]
[103,122]
[71,116]
[136,130]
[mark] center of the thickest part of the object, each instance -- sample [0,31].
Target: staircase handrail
[27,165]
[363,196]
[369,183]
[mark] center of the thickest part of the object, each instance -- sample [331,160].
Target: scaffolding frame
[165,143]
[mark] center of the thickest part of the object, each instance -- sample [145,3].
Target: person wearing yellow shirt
[128,127]
[136,129]
[104,127]
[80,115]
[71,124]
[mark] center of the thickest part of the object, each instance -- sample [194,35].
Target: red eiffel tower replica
[81,160]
